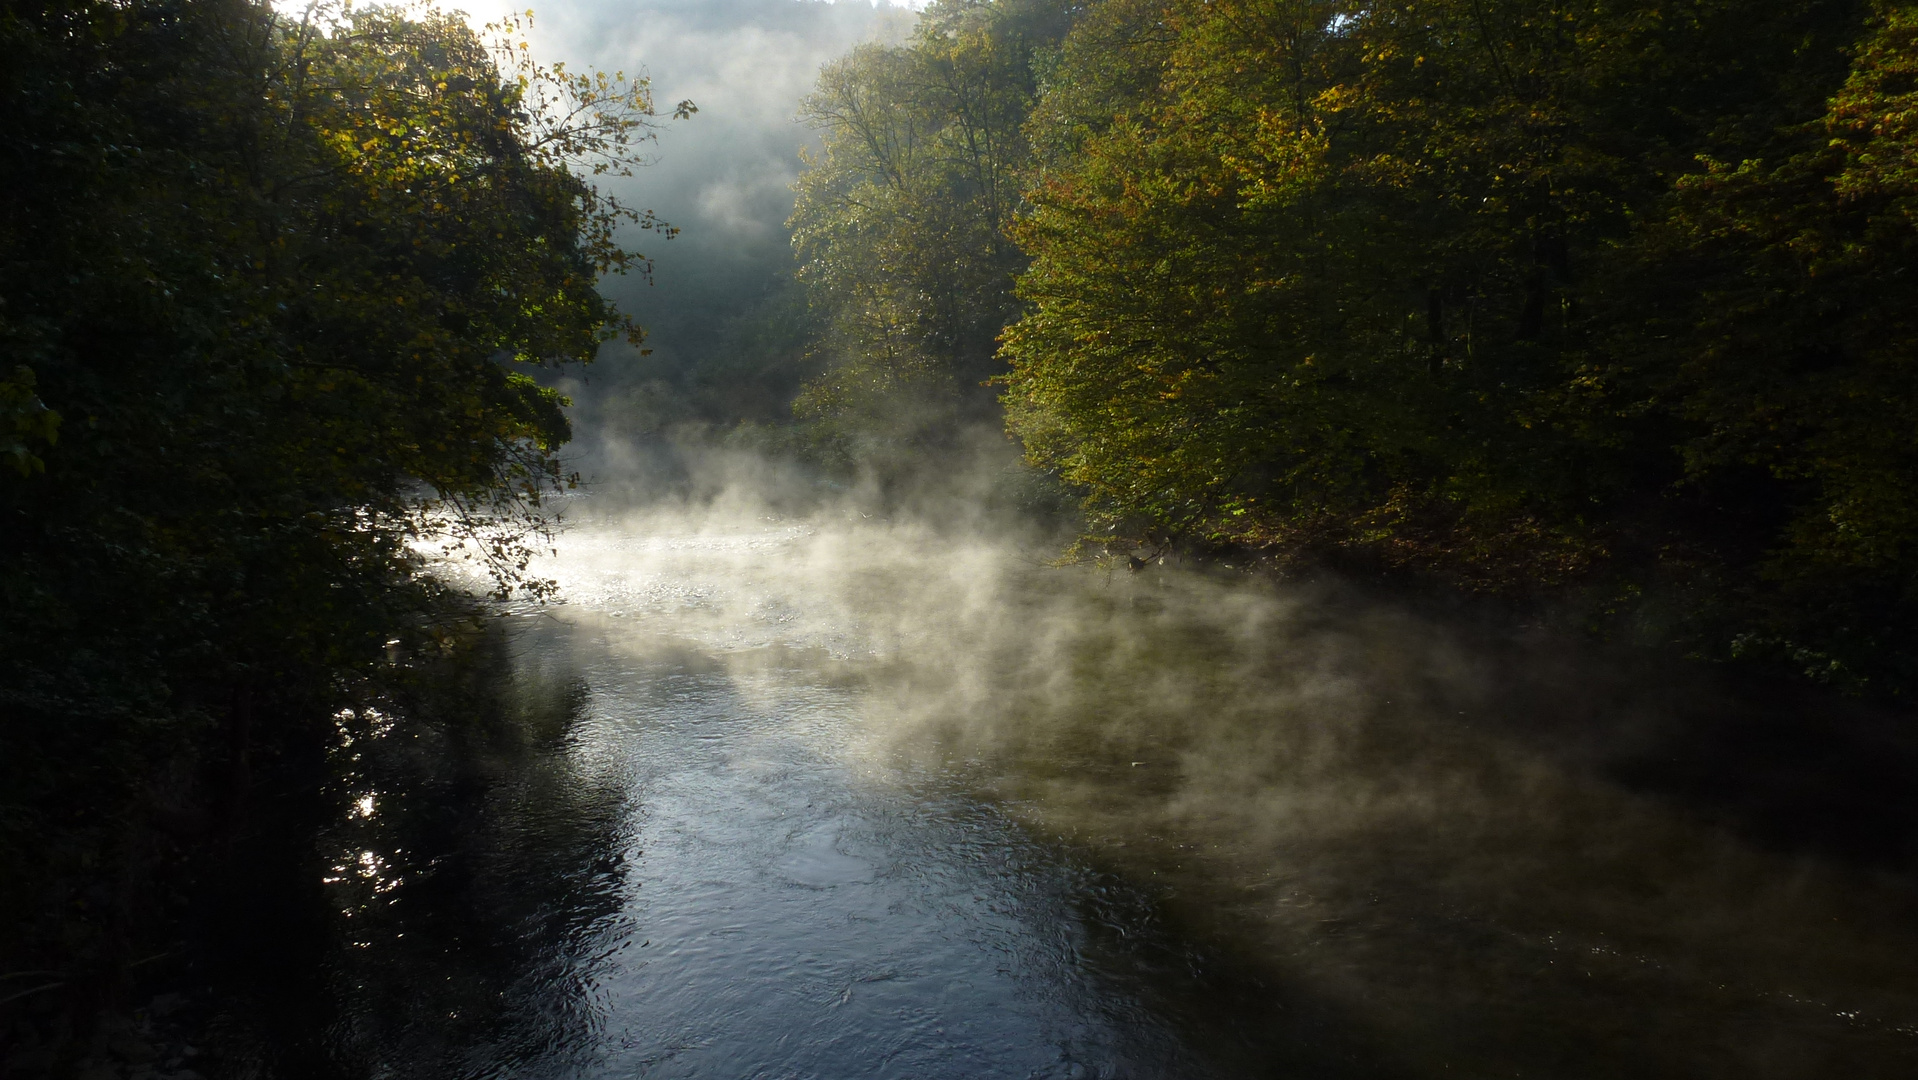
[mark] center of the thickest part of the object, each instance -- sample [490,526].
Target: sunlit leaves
[1505,292]
[437,223]
[900,219]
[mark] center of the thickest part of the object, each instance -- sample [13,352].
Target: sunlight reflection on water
[833,799]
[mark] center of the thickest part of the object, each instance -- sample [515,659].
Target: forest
[271,291]
[1594,313]
[1592,308]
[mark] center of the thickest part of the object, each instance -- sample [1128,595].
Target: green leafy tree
[900,218]
[280,287]
[1768,308]
[1532,298]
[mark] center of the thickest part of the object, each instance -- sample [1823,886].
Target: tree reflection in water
[456,864]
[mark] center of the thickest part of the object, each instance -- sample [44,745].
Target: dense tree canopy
[1519,294]
[270,291]
[900,221]
[1599,304]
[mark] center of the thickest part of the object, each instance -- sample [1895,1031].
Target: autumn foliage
[1595,308]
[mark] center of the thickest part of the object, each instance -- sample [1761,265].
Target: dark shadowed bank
[271,286]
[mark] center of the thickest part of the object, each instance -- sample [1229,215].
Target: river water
[840,797]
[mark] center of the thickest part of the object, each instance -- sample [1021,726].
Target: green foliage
[280,285]
[28,422]
[1788,356]
[900,223]
[739,367]
[1519,295]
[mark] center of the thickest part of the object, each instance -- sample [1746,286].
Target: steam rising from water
[1417,829]
[1418,848]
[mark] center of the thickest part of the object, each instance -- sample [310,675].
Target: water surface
[841,797]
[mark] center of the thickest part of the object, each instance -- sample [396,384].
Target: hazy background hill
[727,328]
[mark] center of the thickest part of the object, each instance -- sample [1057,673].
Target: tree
[1440,288]
[900,220]
[275,286]
[1766,305]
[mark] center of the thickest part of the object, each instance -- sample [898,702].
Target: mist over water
[802,778]
[858,793]
[819,758]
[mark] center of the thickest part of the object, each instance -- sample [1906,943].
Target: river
[835,796]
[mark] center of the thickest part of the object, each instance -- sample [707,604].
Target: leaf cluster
[275,296]
[899,221]
[1536,299]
